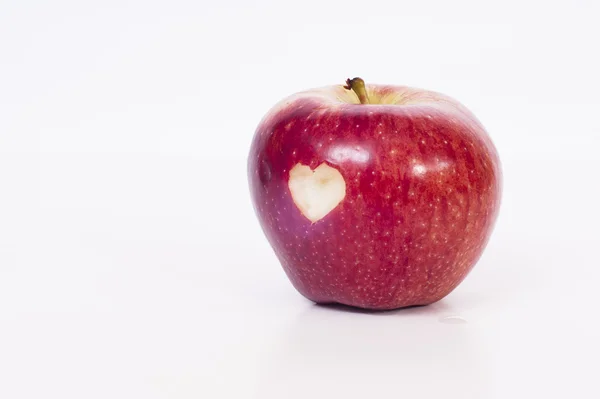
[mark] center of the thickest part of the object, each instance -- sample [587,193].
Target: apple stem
[357,85]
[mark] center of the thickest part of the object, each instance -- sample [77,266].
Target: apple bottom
[368,297]
[332,266]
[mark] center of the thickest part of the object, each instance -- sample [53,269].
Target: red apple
[378,197]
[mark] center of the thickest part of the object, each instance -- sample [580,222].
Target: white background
[132,265]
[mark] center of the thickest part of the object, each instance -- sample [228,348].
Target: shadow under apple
[339,352]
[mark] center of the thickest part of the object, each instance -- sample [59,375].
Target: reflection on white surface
[340,353]
[452,320]
[348,153]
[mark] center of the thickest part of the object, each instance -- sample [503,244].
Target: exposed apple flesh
[378,197]
[316,192]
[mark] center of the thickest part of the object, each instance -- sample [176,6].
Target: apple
[373,196]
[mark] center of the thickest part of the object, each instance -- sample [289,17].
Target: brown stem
[357,85]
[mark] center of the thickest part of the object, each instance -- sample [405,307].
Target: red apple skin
[423,188]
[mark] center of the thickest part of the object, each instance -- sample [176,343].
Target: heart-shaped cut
[316,192]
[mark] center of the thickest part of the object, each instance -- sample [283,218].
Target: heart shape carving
[316,192]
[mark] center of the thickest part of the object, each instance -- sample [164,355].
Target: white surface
[132,266]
